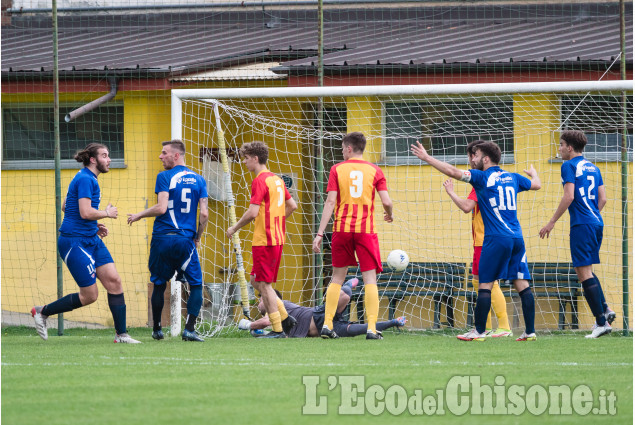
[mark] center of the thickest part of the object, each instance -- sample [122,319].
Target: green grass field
[83,378]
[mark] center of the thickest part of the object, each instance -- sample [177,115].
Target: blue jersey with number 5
[587,179]
[184,188]
[496,190]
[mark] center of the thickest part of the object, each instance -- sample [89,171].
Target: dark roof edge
[503,66]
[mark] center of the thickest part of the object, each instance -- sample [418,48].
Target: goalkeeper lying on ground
[310,320]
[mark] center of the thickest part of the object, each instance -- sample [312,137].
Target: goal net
[303,128]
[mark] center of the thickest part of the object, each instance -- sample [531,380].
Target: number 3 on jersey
[357,179]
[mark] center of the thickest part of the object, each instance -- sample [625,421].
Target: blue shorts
[585,241]
[83,255]
[174,253]
[503,259]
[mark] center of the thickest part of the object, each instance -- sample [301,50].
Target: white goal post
[245,102]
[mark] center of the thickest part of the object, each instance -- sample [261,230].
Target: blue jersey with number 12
[184,188]
[587,179]
[496,190]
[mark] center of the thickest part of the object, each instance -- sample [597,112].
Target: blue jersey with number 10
[587,179]
[496,190]
[184,188]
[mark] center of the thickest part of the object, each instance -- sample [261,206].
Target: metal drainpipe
[95,103]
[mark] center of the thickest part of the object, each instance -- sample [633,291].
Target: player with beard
[503,245]
[80,246]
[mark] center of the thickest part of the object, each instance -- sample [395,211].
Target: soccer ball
[397,260]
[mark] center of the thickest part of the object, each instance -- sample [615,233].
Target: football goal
[303,128]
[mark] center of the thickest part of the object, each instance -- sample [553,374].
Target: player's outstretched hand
[531,172]
[102,230]
[111,210]
[546,230]
[132,218]
[419,151]
[448,185]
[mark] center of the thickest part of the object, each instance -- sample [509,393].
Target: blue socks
[605,306]
[483,306]
[529,309]
[157,300]
[194,303]
[593,294]
[117,306]
[68,303]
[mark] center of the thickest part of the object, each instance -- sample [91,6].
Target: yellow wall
[28,215]
[427,224]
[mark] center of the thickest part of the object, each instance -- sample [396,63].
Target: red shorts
[344,246]
[266,260]
[476,259]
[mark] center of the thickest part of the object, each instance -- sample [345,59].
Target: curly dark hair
[490,150]
[258,149]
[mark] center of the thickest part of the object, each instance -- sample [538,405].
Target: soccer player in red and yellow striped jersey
[351,195]
[270,205]
[499,305]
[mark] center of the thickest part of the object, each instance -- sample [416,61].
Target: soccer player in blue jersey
[175,235]
[80,246]
[584,197]
[503,245]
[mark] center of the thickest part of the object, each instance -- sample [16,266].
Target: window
[600,117]
[446,127]
[29,141]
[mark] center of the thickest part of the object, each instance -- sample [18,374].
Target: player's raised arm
[465,205]
[535,180]
[449,170]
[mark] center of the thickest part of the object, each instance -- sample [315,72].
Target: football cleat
[374,335]
[288,324]
[502,333]
[610,316]
[401,321]
[190,336]
[527,337]
[599,331]
[157,334]
[327,333]
[40,322]
[125,339]
[275,335]
[473,335]
[488,333]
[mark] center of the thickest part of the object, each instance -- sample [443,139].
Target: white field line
[172,361]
